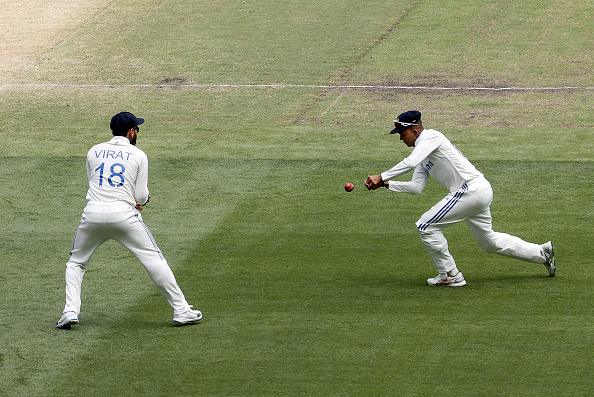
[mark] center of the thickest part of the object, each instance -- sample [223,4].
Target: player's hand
[141,207]
[373,182]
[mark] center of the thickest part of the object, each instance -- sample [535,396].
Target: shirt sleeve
[141,191]
[414,186]
[423,148]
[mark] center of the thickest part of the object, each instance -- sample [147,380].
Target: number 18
[113,175]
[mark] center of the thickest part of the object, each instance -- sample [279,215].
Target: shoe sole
[68,324]
[450,284]
[551,267]
[188,321]
[180,323]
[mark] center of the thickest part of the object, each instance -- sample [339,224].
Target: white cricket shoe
[67,320]
[549,253]
[187,317]
[443,280]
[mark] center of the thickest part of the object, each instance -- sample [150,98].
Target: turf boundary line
[319,86]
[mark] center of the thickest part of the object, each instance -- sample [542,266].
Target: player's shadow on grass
[415,282]
[119,323]
[509,278]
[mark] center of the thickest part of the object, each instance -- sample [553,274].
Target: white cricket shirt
[117,171]
[434,155]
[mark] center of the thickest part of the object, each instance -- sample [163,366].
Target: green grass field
[305,289]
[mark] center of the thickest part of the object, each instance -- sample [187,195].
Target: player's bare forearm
[373,182]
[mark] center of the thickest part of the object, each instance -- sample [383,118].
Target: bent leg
[447,212]
[454,208]
[138,239]
[502,243]
[437,248]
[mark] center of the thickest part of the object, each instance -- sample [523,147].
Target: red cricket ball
[349,186]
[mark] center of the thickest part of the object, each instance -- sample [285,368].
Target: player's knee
[420,227]
[433,240]
[422,233]
[426,230]
[72,264]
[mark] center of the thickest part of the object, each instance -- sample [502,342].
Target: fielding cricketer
[469,199]
[118,189]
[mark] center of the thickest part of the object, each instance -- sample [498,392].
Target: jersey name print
[112,154]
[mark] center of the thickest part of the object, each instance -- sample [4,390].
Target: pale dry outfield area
[30,28]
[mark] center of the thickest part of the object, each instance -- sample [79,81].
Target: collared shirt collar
[119,139]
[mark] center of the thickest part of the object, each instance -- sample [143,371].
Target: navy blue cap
[124,121]
[405,120]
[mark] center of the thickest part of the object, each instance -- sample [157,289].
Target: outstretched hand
[373,182]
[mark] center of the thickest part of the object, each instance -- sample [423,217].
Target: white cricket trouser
[471,203]
[122,223]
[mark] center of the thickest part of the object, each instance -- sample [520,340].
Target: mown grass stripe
[281,85]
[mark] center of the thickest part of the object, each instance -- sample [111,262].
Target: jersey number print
[117,173]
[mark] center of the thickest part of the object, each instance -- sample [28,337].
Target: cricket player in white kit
[118,189]
[469,200]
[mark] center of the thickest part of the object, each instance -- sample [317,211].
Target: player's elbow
[406,187]
[414,188]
